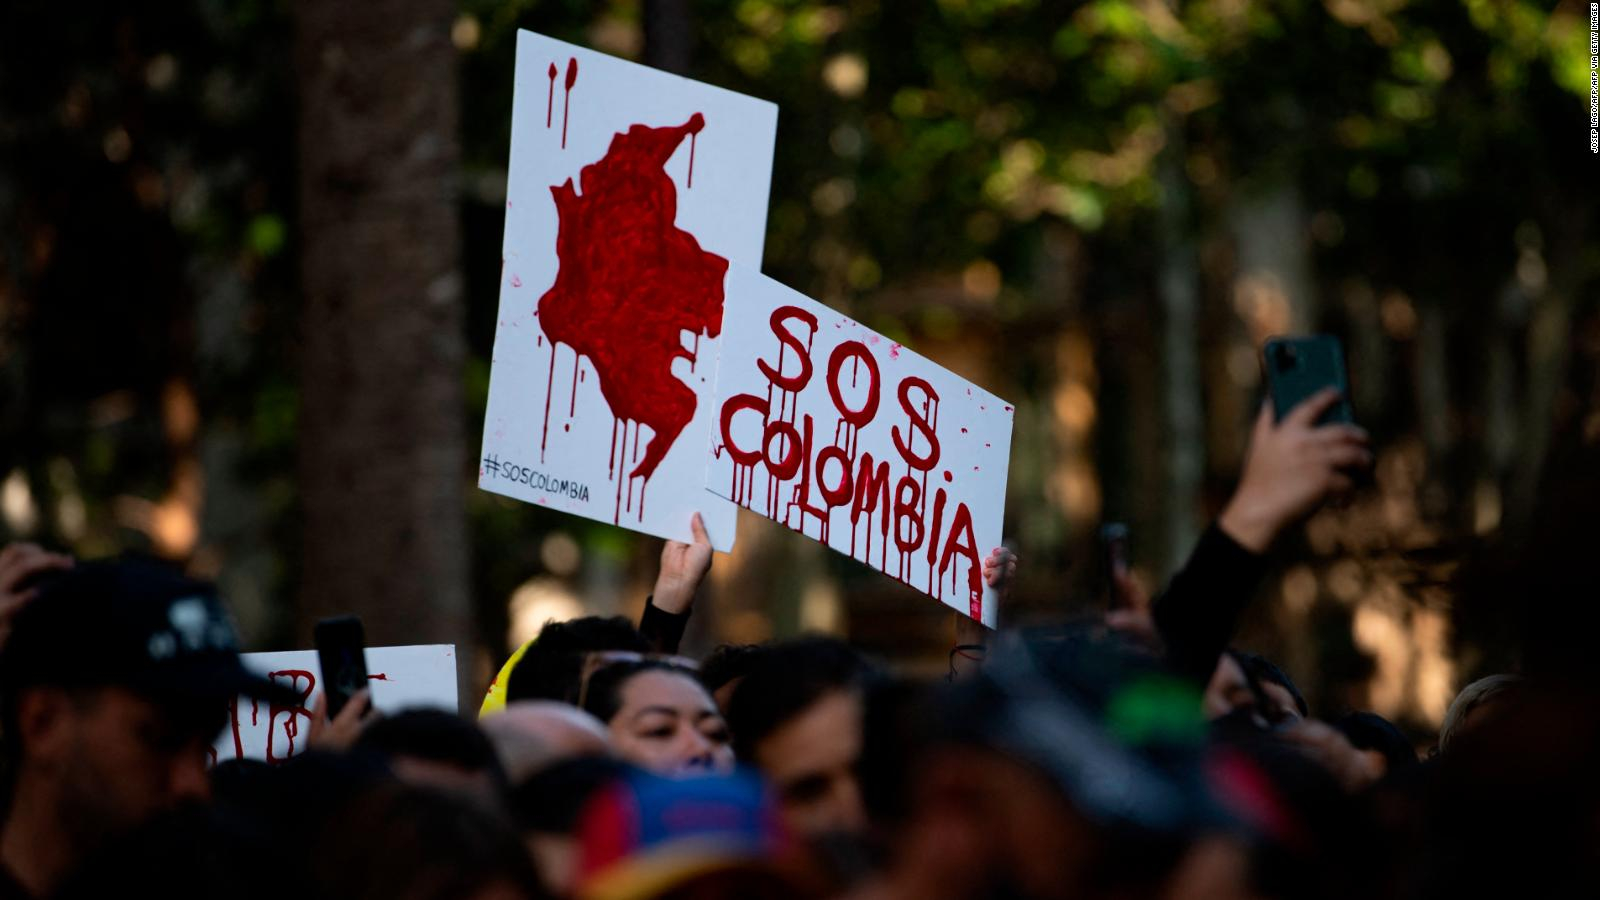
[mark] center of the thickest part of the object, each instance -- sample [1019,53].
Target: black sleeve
[662,629]
[1199,612]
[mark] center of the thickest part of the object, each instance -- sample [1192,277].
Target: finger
[18,600]
[12,550]
[31,562]
[1264,419]
[319,708]
[1344,456]
[1312,408]
[1340,484]
[1344,431]
[356,706]
[698,526]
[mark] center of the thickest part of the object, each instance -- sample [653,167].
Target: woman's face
[667,723]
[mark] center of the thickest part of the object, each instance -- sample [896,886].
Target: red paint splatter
[233,717]
[379,677]
[947,476]
[630,282]
[293,712]
[550,101]
[963,431]
[566,105]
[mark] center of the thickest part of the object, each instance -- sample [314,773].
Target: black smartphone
[341,651]
[1298,367]
[1113,558]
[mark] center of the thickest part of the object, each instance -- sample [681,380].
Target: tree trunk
[1183,403]
[668,35]
[382,464]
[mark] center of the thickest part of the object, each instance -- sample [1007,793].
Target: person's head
[1385,745]
[658,716]
[113,684]
[724,667]
[552,666]
[530,735]
[645,837]
[546,807]
[1476,702]
[796,716]
[1015,788]
[401,842]
[440,750]
[191,853]
[1245,680]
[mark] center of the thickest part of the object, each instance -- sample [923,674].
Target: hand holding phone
[1299,368]
[341,652]
[1303,450]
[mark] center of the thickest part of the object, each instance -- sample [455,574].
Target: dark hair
[436,736]
[192,853]
[550,800]
[407,843]
[1370,731]
[784,679]
[1259,669]
[728,662]
[552,667]
[603,697]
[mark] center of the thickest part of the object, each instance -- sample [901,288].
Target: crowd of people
[1135,753]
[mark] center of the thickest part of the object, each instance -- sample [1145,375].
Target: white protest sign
[400,677]
[848,437]
[630,190]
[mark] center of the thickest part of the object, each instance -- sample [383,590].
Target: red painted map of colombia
[630,282]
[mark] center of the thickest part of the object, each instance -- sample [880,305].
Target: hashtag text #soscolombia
[492,467]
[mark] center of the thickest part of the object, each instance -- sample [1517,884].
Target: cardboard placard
[630,191]
[850,438]
[401,678]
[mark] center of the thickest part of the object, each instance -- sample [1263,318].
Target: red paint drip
[549,388]
[550,101]
[293,711]
[233,717]
[566,105]
[630,283]
[572,407]
[378,677]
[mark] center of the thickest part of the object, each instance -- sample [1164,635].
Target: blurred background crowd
[248,288]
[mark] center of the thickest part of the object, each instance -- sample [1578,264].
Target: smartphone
[1113,557]
[341,651]
[1298,367]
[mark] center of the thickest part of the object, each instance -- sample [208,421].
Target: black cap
[136,624]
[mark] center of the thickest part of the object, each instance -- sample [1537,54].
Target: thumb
[1312,408]
[698,526]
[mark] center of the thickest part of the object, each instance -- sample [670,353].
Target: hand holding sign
[683,567]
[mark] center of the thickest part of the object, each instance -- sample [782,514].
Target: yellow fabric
[495,699]
[659,871]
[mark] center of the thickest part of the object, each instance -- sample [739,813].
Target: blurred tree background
[1098,210]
